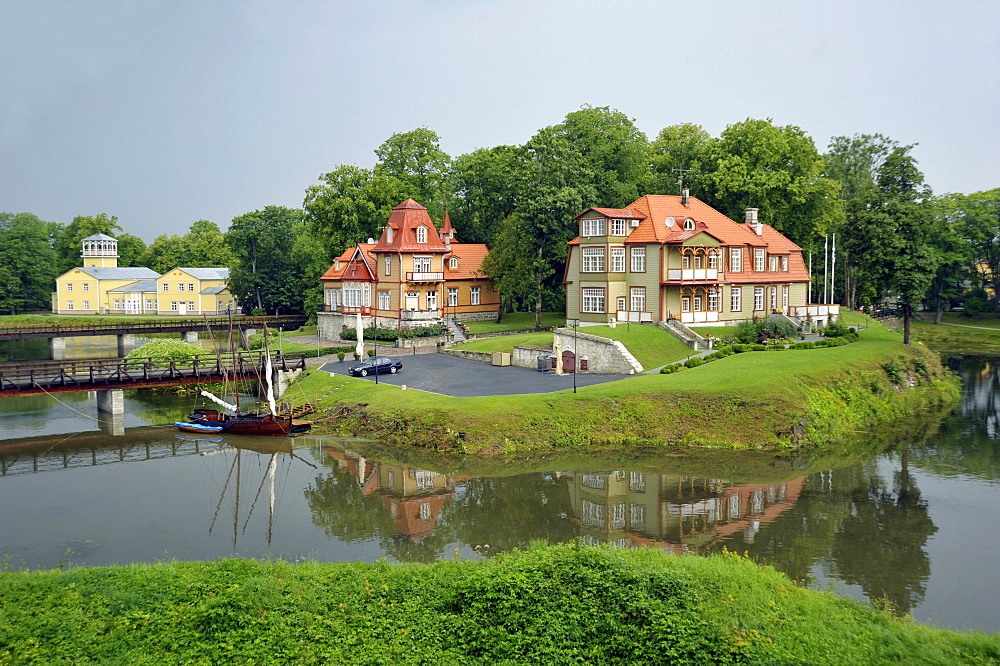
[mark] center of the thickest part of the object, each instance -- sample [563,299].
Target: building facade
[414,275]
[100,286]
[675,257]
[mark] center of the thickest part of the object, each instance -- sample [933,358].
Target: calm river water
[913,526]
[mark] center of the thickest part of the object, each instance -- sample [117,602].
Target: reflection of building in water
[413,497]
[678,512]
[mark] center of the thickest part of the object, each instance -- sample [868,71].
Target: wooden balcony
[424,277]
[693,275]
[420,315]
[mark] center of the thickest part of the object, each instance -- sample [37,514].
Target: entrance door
[412,300]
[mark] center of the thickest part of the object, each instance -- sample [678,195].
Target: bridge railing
[16,378]
[153,326]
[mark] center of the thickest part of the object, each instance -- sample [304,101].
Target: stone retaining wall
[603,354]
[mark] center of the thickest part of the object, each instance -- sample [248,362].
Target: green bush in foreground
[553,605]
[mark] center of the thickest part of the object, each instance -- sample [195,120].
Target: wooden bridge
[138,327]
[45,377]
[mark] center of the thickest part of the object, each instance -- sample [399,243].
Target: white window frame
[621,302]
[173,306]
[593,260]
[452,297]
[86,305]
[689,224]
[190,286]
[618,227]
[758,299]
[384,300]
[617,260]
[774,299]
[180,286]
[421,264]
[736,299]
[453,263]
[421,234]
[166,287]
[69,286]
[357,294]
[713,299]
[69,305]
[736,259]
[638,260]
[758,259]
[697,302]
[432,299]
[474,294]
[592,300]
[784,264]
[637,299]
[713,259]
[784,298]
[592,226]
[772,263]
[685,304]
[86,287]
[388,265]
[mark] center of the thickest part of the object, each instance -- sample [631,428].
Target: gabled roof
[100,236]
[404,221]
[119,273]
[470,260]
[659,207]
[620,213]
[356,263]
[207,273]
[213,290]
[137,287]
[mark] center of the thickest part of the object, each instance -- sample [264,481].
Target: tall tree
[166,253]
[205,246]
[69,241]
[131,250]
[264,275]
[614,151]
[416,162]
[350,205]
[27,262]
[854,162]
[897,217]
[676,155]
[977,220]
[485,184]
[777,170]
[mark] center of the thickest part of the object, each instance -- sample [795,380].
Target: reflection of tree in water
[500,513]
[880,543]
[980,381]
[341,510]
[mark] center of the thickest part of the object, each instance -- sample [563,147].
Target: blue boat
[196,427]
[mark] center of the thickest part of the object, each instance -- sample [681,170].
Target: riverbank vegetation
[797,398]
[550,604]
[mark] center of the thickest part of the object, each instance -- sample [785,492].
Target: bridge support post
[282,380]
[111,401]
[126,343]
[190,337]
[245,335]
[57,349]
[112,424]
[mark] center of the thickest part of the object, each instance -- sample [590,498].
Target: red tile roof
[620,213]
[404,221]
[356,262]
[470,260]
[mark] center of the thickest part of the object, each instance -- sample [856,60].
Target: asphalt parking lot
[462,378]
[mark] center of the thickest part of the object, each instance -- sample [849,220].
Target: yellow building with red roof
[414,275]
[676,258]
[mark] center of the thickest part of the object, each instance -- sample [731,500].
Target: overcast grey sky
[167,112]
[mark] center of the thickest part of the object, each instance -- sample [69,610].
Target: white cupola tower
[100,251]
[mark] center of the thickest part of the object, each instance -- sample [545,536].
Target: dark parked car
[376,365]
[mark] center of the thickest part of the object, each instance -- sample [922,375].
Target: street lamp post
[576,360]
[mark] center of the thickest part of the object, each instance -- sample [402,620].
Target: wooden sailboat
[273,422]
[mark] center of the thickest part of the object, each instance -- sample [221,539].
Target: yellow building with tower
[101,286]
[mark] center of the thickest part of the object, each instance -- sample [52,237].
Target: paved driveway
[459,377]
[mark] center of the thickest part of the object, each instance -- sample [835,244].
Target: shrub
[739,349]
[758,347]
[893,370]
[804,345]
[781,328]
[693,362]
[776,348]
[670,369]
[834,329]
[725,351]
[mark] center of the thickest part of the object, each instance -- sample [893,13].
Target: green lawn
[563,604]
[518,321]
[650,345]
[506,343]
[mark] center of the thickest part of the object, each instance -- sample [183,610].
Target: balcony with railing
[424,276]
[692,275]
[348,309]
[414,316]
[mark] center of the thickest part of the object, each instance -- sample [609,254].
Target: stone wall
[603,355]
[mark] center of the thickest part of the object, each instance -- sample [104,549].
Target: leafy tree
[677,152]
[977,221]
[895,217]
[69,240]
[415,161]
[131,250]
[777,170]
[614,151]
[165,253]
[205,246]
[508,266]
[854,162]
[27,262]
[486,184]
[351,205]
[954,257]
[264,275]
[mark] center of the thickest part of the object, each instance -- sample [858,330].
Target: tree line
[895,239]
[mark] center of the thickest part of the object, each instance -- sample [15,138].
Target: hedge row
[391,334]
[723,352]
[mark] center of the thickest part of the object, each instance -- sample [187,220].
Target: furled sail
[219,401]
[268,372]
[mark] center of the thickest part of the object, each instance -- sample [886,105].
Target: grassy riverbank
[749,400]
[551,604]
